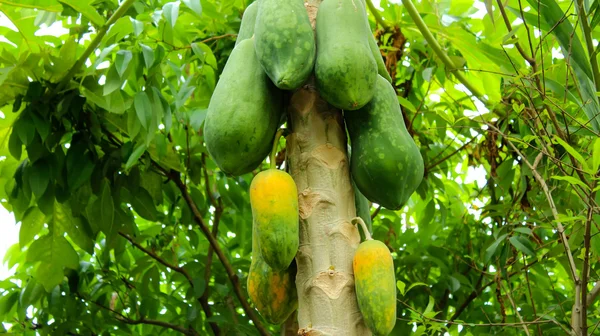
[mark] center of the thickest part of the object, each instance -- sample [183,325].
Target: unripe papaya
[273,292]
[381,69]
[248,22]
[375,284]
[243,114]
[274,202]
[386,164]
[285,42]
[345,70]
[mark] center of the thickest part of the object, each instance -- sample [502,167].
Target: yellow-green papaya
[285,42]
[375,284]
[243,114]
[345,69]
[273,292]
[386,164]
[274,202]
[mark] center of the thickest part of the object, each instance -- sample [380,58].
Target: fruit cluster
[278,50]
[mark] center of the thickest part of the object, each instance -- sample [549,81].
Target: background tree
[128,227]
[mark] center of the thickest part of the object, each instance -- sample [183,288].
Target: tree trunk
[318,163]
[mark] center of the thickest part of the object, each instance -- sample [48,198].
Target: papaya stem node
[364,227]
[272,160]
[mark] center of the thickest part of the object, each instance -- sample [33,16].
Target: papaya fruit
[243,114]
[375,284]
[386,163]
[345,69]
[285,42]
[273,292]
[274,203]
[248,23]
[381,69]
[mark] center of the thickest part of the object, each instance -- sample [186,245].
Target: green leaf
[86,9]
[46,5]
[113,81]
[53,252]
[64,221]
[401,287]
[571,180]
[490,251]
[194,5]
[143,108]
[596,152]
[171,12]
[148,54]
[135,155]
[522,244]
[122,61]
[143,204]
[406,104]
[39,177]
[107,208]
[15,147]
[31,225]
[572,151]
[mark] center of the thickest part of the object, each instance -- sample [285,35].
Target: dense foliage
[128,227]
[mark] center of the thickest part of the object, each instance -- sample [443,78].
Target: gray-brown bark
[318,163]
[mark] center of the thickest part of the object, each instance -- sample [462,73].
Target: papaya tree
[312,167]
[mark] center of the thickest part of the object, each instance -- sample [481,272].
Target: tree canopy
[127,227]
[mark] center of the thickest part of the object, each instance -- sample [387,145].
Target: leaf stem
[437,49]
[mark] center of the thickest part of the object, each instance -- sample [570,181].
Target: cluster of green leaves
[479,243]
[91,152]
[84,157]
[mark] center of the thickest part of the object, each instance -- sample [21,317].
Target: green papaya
[273,292]
[345,69]
[386,163]
[375,284]
[248,22]
[381,69]
[285,42]
[274,202]
[243,114]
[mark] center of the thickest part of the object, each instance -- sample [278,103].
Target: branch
[127,320]
[529,60]
[593,294]
[586,267]
[94,44]
[517,325]
[416,17]
[181,270]
[542,182]
[174,176]
[377,15]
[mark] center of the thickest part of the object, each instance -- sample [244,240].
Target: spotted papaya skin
[285,42]
[345,69]
[386,164]
[274,202]
[243,115]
